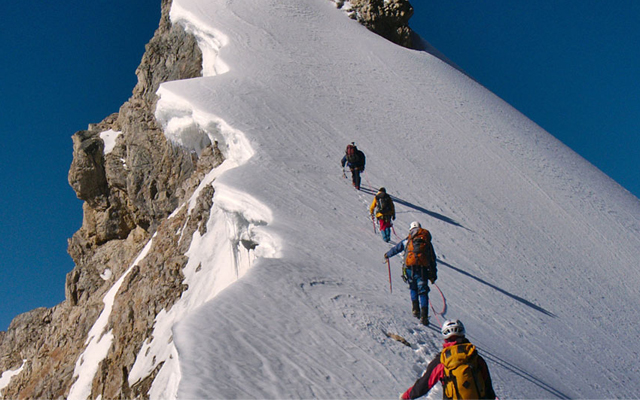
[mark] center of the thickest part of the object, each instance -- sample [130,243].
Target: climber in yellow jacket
[385,212]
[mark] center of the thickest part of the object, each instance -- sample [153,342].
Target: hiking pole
[389,268]
[373,221]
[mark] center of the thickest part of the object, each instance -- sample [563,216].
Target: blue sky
[65,65]
[570,66]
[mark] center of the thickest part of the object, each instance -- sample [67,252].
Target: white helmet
[452,328]
[415,224]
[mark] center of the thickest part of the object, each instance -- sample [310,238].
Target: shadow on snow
[423,210]
[488,355]
[513,296]
[523,374]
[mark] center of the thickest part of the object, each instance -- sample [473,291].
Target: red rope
[435,313]
[368,183]
[444,301]
[394,233]
[444,305]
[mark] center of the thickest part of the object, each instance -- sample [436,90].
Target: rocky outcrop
[153,285]
[129,192]
[51,340]
[137,183]
[387,18]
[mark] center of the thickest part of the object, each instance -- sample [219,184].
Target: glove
[386,257]
[393,218]
[432,280]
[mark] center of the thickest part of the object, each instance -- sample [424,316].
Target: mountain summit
[224,255]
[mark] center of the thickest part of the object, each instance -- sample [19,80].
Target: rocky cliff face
[128,193]
[387,18]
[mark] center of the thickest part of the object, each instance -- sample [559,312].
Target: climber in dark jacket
[355,160]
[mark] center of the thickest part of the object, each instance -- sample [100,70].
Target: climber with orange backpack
[463,372]
[355,160]
[419,268]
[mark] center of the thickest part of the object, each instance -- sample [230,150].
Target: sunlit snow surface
[538,249]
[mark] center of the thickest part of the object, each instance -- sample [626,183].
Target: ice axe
[389,268]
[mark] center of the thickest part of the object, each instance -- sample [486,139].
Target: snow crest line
[210,40]
[235,235]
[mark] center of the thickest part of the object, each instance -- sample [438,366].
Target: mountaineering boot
[416,308]
[424,317]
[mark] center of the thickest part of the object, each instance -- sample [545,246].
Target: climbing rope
[367,180]
[394,234]
[444,305]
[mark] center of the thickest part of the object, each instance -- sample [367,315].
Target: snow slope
[288,294]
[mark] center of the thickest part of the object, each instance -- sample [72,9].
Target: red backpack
[352,154]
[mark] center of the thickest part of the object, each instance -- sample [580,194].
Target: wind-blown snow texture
[538,249]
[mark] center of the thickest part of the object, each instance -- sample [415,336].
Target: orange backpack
[420,250]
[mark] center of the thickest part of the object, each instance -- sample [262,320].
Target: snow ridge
[236,234]
[288,293]
[210,40]
[523,227]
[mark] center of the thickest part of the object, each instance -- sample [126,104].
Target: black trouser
[355,177]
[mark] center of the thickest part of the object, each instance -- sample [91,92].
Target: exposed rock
[387,18]
[155,284]
[49,348]
[170,55]
[128,195]
[135,184]
[87,175]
